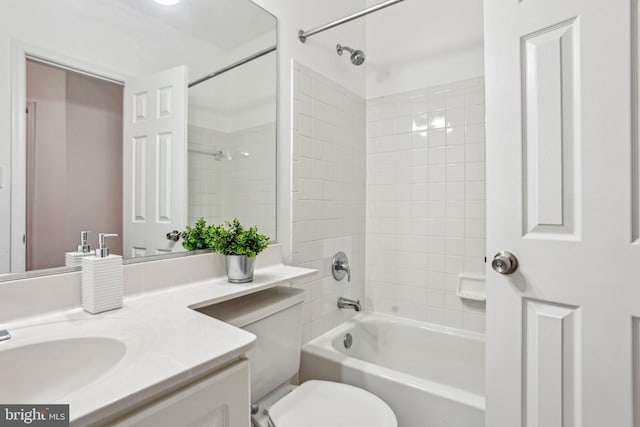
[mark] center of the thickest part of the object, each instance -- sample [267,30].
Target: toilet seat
[326,403]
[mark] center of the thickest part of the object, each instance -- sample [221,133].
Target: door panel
[560,350]
[551,364]
[155,183]
[550,119]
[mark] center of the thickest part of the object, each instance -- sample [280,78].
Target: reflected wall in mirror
[115,140]
[232,141]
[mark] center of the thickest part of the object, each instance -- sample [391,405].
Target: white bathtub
[431,376]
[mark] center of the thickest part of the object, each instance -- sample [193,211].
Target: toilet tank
[274,316]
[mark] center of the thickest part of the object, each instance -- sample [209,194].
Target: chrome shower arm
[340,49]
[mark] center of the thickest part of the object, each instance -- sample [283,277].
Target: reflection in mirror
[126,147]
[73,124]
[232,138]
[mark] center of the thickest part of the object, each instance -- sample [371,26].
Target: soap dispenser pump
[84,246]
[72,259]
[103,250]
[102,279]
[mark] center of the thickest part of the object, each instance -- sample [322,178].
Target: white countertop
[169,343]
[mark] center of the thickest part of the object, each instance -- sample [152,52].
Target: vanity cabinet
[218,400]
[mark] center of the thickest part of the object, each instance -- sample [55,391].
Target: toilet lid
[325,403]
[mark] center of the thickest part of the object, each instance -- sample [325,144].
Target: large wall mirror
[132,117]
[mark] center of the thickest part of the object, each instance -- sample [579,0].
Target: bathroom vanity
[220,399]
[153,360]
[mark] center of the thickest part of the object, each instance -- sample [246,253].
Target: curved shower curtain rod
[302,35]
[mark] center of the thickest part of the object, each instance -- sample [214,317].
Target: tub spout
[349,303]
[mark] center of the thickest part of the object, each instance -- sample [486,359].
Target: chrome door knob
[504,262]
[174,235]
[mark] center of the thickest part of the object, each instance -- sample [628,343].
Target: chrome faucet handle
[344,267]
[340,266]
[4,335]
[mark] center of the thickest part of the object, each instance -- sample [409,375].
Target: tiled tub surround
[180,344]
[329,175]
[426,202]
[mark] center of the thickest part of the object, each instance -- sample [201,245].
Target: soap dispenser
[72,259]
[102,279]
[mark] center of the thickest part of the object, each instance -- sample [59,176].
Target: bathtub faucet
[349,303]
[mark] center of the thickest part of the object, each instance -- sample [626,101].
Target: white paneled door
[155,159]
[563,343]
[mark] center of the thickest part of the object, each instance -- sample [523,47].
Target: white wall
[421,43]
[241,98]
[319,54]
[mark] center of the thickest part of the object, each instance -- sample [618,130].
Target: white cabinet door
[220,400]
[562,332]
[155,159]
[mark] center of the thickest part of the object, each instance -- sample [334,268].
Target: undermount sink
[47,371]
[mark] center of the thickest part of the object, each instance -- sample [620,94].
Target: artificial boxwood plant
[195,237]
[230,238]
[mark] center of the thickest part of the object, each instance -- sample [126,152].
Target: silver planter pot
[240,268]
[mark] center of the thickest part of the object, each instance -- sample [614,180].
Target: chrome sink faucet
[4,335]
[349,303]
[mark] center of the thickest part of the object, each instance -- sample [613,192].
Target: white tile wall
[204,174]
[241,183]
[329,187]
[248,179]
[426,202]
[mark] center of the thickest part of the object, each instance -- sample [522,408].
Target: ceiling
[223,23]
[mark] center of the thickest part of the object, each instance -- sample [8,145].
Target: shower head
[357,56]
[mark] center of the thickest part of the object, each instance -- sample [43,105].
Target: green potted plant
[239,245]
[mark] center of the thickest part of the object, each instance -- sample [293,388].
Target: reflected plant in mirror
[140,119]
[195,238]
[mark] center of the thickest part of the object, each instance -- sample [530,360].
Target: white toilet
[275,317]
